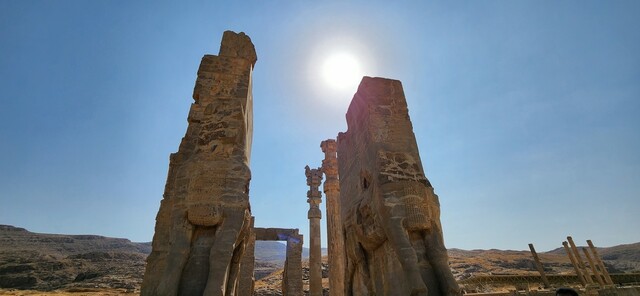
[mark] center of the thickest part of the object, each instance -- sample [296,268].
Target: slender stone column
[314,198]
[575,264]
[539,266]
[605,273]
[335,237]
[581,264]
[593,268]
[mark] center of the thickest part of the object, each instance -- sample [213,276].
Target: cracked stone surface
[390,213]
[204,221]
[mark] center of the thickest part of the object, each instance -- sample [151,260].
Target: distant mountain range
[54,261]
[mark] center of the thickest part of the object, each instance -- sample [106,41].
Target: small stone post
[597,257]
[593,268]
[575,264]
[335,237]
[314,198]
[581,264]
[292,277]
[539,266]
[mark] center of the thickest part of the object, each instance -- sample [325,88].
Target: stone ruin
[203,223]
[292,276]
[314,198]
[390,214]
[383,218]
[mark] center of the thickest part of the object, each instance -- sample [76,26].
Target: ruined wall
[204,218]
[390,214]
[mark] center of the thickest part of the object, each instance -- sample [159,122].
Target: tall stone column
[574,263]
[335,237]
[603,269]
[585,272]
[594,269]
[539,266]
[314,198]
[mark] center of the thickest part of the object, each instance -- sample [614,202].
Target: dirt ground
[77,292]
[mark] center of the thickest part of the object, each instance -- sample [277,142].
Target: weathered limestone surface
[275,234]
[314,198]
[203,223]
[247,280]
[292,275]
[390,214]
[335,235]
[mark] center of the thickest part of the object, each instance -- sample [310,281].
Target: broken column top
[238,45]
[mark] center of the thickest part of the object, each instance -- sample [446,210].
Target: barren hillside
[97,265]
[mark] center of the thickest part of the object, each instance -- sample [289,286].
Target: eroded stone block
[390,214]
[204,221]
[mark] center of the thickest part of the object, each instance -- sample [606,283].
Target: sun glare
[342,71]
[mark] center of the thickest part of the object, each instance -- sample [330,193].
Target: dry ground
[77,292]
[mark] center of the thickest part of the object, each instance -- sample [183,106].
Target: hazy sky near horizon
[526,113]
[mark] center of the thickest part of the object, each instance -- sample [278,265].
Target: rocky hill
[46,262]
[618,259]
[51,261]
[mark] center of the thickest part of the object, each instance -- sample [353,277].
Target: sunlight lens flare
[342,71]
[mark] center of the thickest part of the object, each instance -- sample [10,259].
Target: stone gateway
[390,214]
[204,220]
[383,217]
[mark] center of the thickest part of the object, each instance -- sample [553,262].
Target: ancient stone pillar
[574,262]
[314,198]
[292,276]
[603,268]
[335,237]
[390,213]
[247,264]
[539,266]
[593,268]
[583,268]
[202,226]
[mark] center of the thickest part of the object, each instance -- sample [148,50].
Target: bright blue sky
[526,112]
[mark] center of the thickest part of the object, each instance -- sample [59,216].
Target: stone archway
[292,276]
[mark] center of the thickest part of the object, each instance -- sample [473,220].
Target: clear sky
[527,113]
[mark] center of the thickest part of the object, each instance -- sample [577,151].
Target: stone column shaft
[574,263]
[593,268]
[335,237]
[315,259]
[314,179]
[581,264]
[597,257]
[539,266]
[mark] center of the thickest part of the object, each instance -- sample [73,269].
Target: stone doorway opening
[292,275]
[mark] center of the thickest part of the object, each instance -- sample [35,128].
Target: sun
[342,71]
